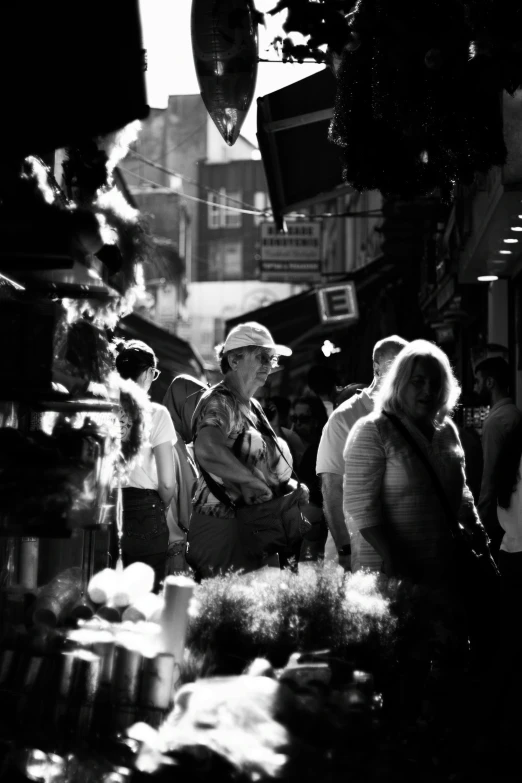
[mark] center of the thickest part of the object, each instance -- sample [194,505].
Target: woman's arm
[467,514]
[365,465]
[166,471]
[215,457]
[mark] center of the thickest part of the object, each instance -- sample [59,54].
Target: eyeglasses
[268,358]
[155,373]
[303,419]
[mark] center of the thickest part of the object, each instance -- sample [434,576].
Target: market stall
[297,674]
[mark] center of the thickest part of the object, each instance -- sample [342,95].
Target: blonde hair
[390,397]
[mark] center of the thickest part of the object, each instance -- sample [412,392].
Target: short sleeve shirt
[219,407]
[145,474]
[336,430]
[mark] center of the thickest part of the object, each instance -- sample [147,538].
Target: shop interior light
[510,241]
[516,228]
[487,278]
[506,252]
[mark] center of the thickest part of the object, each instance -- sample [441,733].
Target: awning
[175,356]
[296,321]
[301,165]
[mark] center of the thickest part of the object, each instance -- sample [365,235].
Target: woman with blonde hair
[405,502]
[397,519]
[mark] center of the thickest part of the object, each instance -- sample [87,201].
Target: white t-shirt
[145,475]
[336,430]
[510,520]
[330,457]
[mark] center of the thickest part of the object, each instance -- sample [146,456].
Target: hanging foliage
[88,173]
[418,101]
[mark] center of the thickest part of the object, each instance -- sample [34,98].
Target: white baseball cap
[252,333]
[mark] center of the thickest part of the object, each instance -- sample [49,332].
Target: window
[225,260]
[214,212]
[260,203]
[224,218]
[232,218]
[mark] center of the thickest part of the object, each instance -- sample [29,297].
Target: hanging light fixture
[225,49]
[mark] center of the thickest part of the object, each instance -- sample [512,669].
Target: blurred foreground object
[224,45]
[83,71]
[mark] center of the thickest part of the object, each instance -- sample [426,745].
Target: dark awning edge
[178,355]
[291,123]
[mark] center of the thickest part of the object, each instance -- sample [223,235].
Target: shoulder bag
[476,570]
[276,525]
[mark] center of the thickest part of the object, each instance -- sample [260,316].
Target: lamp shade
[225,48]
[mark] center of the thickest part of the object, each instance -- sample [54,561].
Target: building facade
[228,240]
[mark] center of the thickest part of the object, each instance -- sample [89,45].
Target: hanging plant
[88,174]
[417,106]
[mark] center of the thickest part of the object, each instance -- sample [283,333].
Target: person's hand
[255,491]
[305,494]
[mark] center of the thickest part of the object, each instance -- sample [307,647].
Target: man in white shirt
[330,462]
[492,378]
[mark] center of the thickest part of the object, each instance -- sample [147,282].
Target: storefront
[384,302]
[488,218]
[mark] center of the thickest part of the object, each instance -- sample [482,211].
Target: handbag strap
[451,519]
[266,427]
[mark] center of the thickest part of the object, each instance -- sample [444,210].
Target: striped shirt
[385,483]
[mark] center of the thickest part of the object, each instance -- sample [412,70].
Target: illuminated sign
[338,304]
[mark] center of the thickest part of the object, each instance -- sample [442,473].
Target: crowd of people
[366,492]
[382,475]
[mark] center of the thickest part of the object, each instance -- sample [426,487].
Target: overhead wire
[179,144]
[186,179]
[257,212]
[267,213]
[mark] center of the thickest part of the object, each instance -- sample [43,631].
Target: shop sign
[338,304]
[294,256]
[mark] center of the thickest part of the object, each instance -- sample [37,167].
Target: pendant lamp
[225,49]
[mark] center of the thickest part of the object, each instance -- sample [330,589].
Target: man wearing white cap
[240,461]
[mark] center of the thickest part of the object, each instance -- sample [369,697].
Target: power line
[266,213]
[166,170]
[179,144]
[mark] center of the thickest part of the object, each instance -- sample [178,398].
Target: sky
[170,70]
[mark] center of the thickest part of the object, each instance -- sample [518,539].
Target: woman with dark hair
[308,419]
[509,510]
[151,483]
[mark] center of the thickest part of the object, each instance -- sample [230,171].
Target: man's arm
[330,466]
[332,489]
[215,457]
